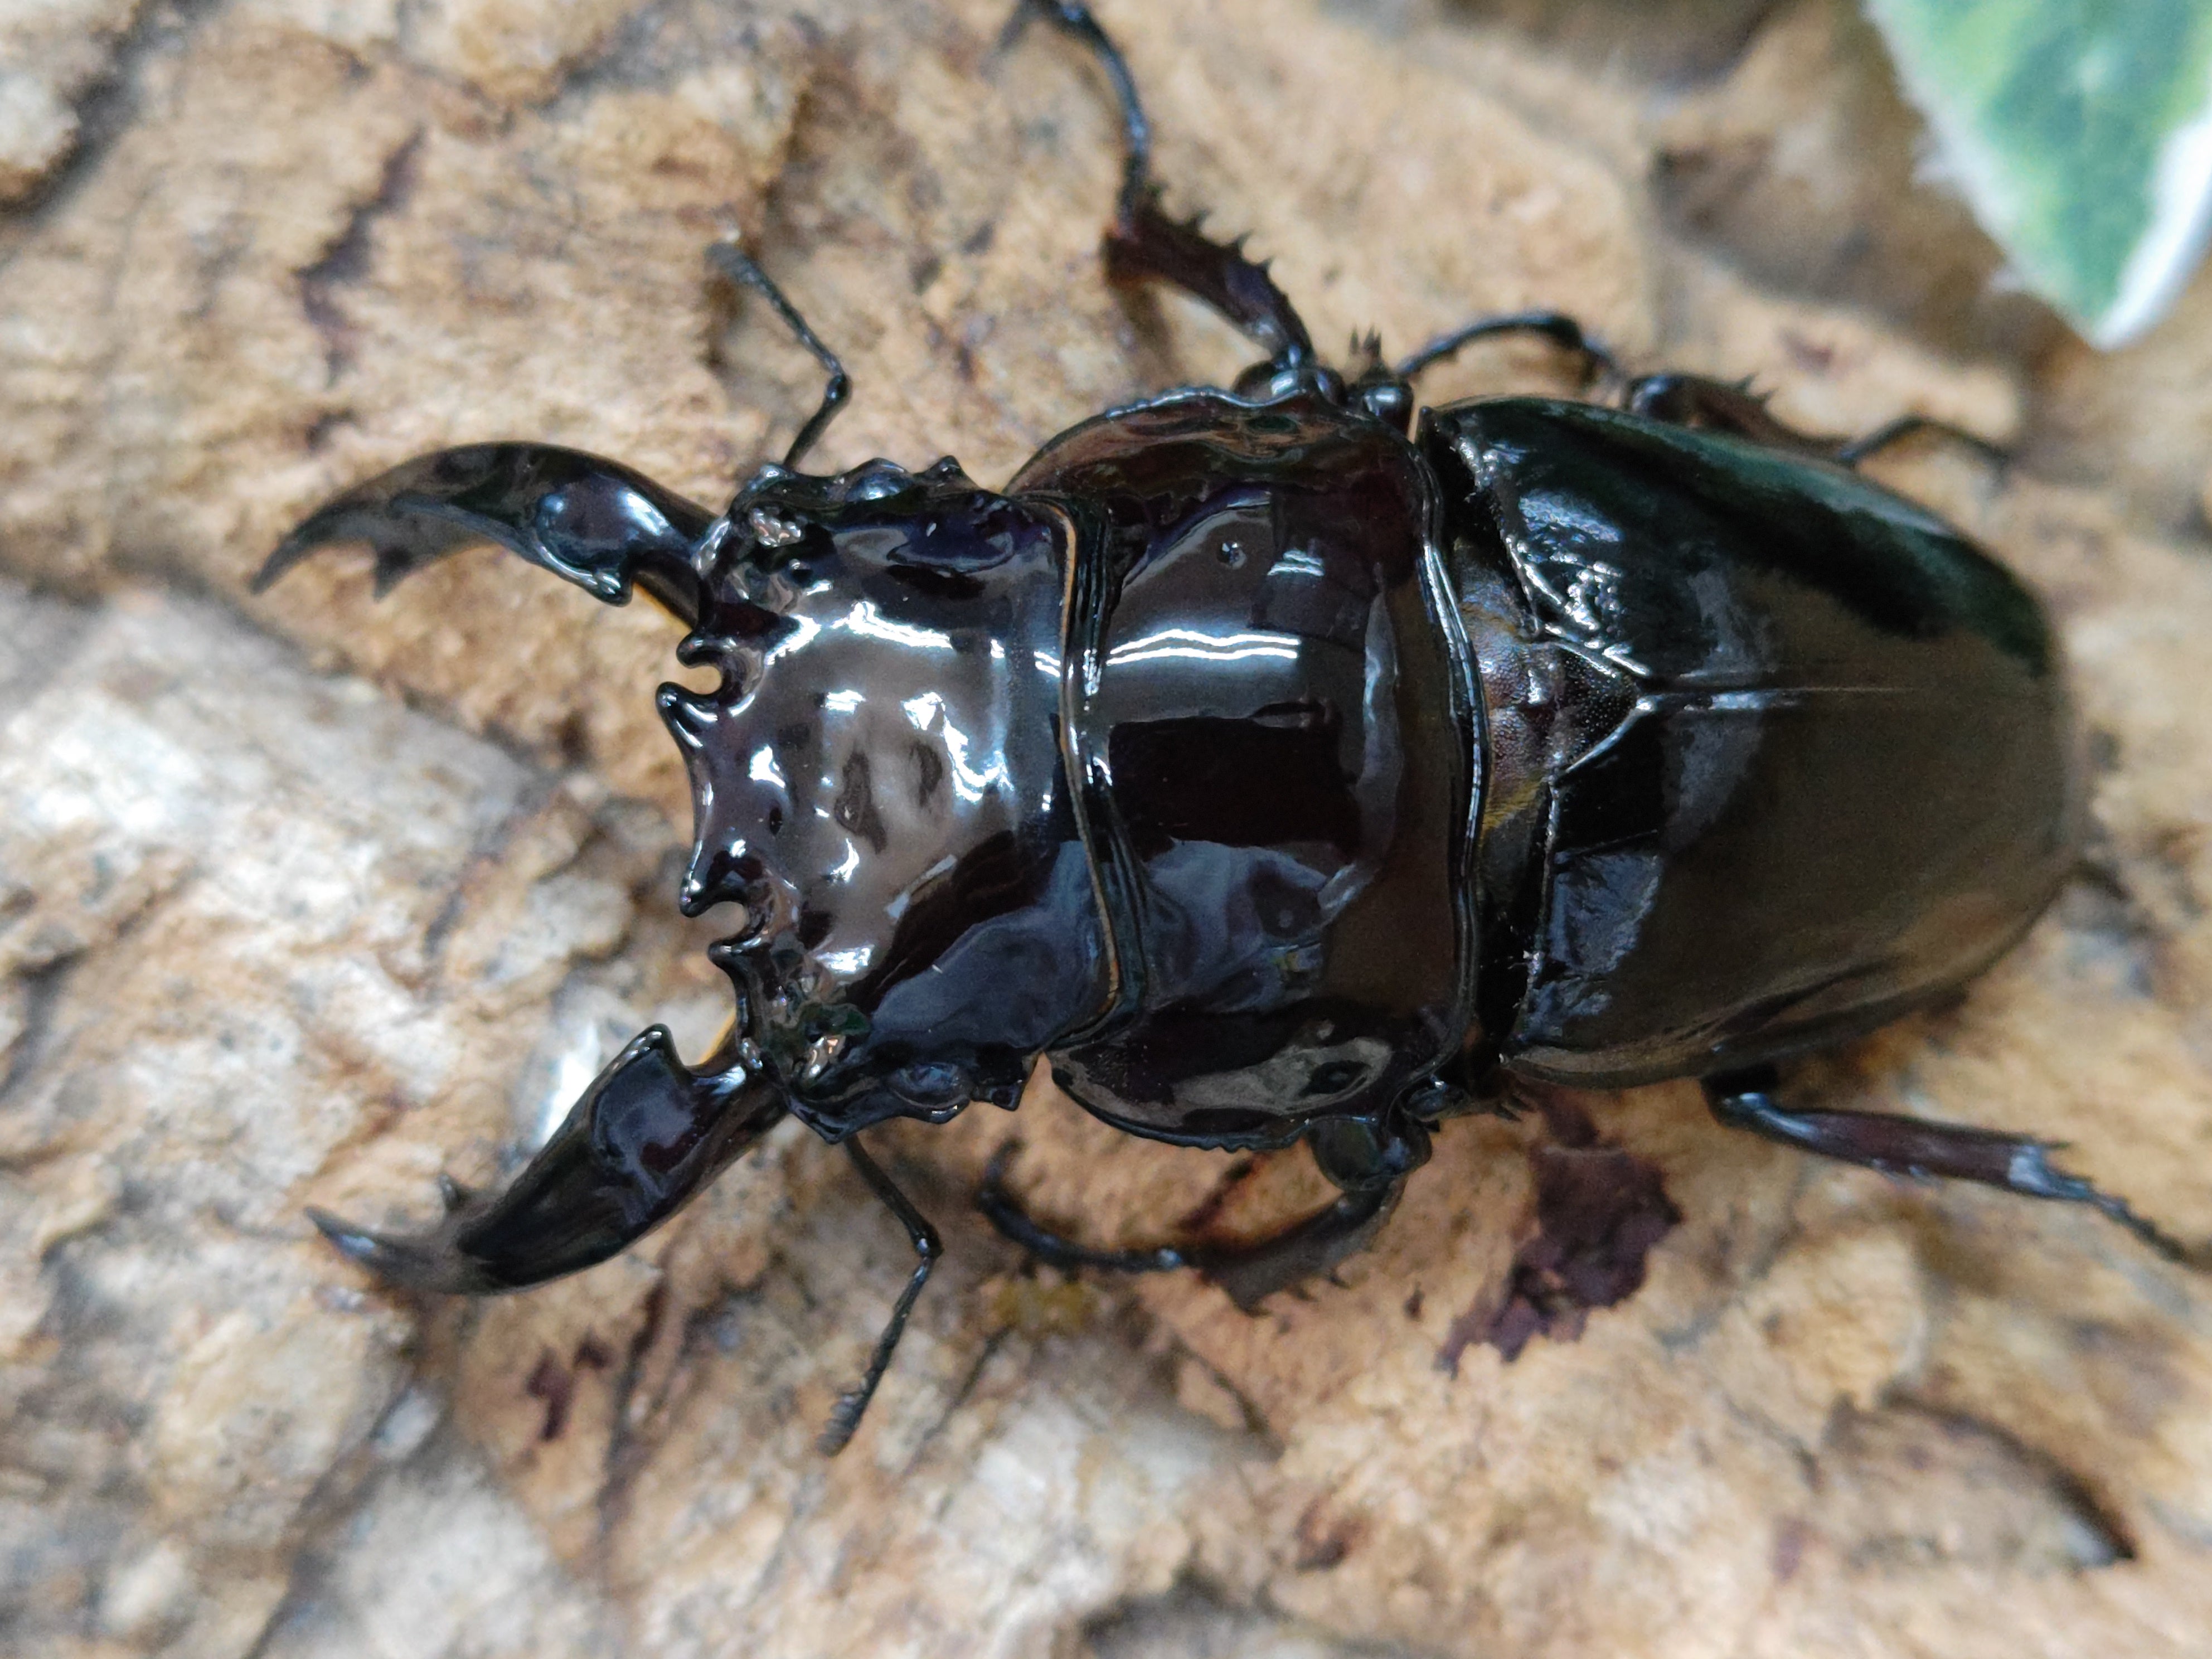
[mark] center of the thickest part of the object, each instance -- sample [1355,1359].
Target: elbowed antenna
[734,265]
[592,521]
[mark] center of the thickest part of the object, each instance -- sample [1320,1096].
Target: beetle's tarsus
[1077,21]
[2035,1177]
[853,1404]
[1916,1148]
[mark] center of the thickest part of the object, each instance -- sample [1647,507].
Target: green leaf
[2081,131]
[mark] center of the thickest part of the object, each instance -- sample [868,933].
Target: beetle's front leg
[1143,244]
[1369,1159]
[647,1136]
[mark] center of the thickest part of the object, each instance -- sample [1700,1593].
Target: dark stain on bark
[555,1383]
[1324,1540]
[1598,1210]
[346,260]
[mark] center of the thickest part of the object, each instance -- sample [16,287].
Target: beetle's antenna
[733,262]
[1136,130]
[845,1416]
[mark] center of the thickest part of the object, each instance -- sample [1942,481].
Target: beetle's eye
[771,530]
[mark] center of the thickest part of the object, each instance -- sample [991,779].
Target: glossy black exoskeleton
[1286,767]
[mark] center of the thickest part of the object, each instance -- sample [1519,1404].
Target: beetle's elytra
[1287,767]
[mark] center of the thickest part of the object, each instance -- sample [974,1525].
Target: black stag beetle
[1286,769]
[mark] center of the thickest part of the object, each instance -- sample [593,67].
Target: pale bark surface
[303,900]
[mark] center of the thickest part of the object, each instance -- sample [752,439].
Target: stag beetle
[1286,769]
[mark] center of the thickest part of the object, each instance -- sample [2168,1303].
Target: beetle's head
[883,735]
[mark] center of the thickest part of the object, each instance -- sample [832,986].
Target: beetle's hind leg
[1694,400]
[1143,243]
[1910,1146]
[1370,1162]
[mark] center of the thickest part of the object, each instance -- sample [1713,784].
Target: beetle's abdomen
[1820,766]
[1275,737]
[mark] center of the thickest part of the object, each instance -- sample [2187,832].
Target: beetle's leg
[1369,1161]
[1694,400]
[1561,330]
[1305,1250]
[845,1416]
[1910,1146]
[1911,425]
[595,522]
[1004,1211]
[1249,1273]
[1144,242]
[647,1136]
[733,262]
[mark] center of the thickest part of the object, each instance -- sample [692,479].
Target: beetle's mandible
[1285,767]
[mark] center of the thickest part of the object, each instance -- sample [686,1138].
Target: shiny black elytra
[1286,767]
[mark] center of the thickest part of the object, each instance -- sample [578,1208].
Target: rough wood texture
[302,901]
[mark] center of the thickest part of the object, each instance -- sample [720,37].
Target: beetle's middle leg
[1143,243]
[1912,1146]
[1369,1161]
